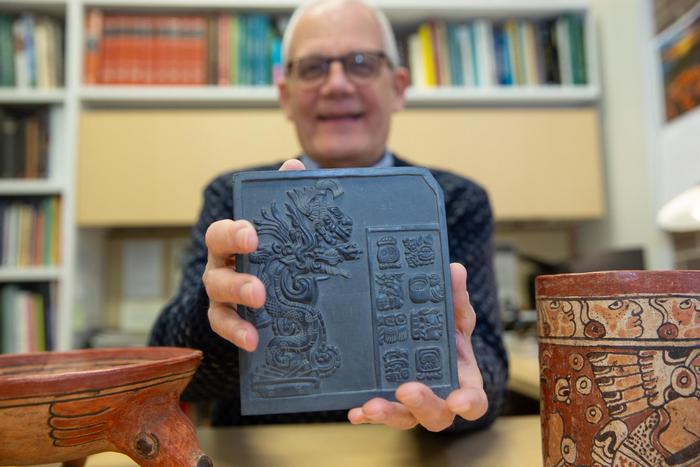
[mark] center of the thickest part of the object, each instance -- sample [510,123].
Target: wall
[629,111]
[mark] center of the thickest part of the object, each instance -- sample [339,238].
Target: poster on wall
[679,48]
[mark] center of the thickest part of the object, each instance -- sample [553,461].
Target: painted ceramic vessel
[620,368]
[64,406]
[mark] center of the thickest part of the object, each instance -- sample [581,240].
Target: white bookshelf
[403,14]
[31,96]
[31,274]
[74,97]
[243,96]
[30,188]
[61,103]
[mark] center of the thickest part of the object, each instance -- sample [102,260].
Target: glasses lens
[359,66]
[363,65]
[311,68]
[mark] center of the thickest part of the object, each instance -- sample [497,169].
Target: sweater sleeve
[470,231]
[184,322]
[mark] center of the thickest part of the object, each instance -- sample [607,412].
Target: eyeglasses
[359,67]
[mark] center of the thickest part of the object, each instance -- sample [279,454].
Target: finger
[465,318]
[292,164]
[227,237]
[429,410]
[225,322]
[227,286]
[380,411]
[468,403]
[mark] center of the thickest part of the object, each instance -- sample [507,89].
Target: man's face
[341,122]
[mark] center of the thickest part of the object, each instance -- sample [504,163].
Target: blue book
[29,49]
[504,71]
[243,76]
[456,72]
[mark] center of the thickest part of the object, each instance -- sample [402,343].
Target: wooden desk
[510,441]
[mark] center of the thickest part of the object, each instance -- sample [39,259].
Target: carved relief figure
[306,243]
[396,367]
[388,255]
[389,291]
[423,288]
[392,328]
[419,250]
[428,363]
[426,324]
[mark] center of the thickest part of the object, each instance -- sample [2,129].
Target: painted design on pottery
[396,368]
[305,244]
[389,291]
[681,317]
[388,255]
[426,324]
[424,288]
[557,317]
[428,363]
[667,317]
[392,328]
[72,408]
[628,367]
[419,250]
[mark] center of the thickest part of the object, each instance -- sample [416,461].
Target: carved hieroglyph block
[355,264]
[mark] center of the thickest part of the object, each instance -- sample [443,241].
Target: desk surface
[510,441]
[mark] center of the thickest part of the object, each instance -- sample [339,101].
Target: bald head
[331,13]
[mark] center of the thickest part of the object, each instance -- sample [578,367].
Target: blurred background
[579,117]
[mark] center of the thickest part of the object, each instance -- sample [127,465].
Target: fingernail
[413,399]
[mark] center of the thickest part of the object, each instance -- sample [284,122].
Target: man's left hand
[417,404]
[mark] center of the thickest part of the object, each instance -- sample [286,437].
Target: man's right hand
[228,288]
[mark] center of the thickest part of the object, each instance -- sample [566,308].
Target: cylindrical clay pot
[620,368]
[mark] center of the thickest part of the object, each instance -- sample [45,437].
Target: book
[7,55]
[427,47]
[456,66]
[8,320]
[564,48]
[549,48]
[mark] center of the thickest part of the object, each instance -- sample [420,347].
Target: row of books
[515,52]
[31,51]
[24,143]
[223,48]
[26,320]
[30,231]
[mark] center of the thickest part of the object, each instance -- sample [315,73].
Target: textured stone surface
[355,265]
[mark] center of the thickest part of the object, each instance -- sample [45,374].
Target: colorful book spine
[427,47]
[7,54]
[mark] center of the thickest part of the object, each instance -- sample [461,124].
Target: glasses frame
[345,60]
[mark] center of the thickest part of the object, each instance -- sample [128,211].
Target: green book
[577,45]
[49,225]
[8,320]
[7,53]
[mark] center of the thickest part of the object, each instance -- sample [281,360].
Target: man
[342,85]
